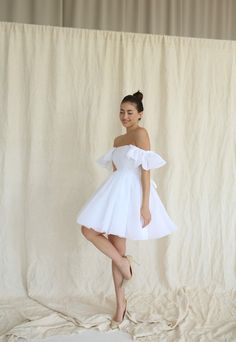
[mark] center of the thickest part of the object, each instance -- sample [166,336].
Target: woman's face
[129,114]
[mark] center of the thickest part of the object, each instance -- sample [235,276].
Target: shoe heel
[131,259]
[115,324]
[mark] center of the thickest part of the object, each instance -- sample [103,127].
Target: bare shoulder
[116,141]
[142,139]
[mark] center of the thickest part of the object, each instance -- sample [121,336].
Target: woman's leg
[105,246]
[120,244]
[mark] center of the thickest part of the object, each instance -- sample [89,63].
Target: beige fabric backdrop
[60,94]
[191,18]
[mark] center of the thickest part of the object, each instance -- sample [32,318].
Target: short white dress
[114,208]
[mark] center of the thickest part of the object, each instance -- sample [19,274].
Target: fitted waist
[129,170]
[136,171]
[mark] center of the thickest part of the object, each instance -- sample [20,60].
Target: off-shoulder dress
[114,208]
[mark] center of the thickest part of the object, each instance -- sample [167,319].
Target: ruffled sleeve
[106,159]
[148,159]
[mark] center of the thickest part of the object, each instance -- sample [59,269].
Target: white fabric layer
[115,206]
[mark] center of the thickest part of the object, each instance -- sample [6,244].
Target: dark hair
[135,98]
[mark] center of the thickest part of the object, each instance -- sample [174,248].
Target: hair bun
[138,95]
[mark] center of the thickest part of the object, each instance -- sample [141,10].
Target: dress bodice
[130,158]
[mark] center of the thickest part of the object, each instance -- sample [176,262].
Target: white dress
[114,208]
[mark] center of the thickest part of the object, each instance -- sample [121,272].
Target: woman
[126,205]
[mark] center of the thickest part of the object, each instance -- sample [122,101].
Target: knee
[86,232]
[118,243]
[89,233]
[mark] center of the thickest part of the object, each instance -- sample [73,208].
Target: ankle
[121,303]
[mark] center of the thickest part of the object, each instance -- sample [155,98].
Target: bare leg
[120,244]
[105,246]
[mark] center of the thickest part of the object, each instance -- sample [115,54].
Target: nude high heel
[115,324]
[131,260]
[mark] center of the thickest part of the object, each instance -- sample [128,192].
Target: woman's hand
[146,215]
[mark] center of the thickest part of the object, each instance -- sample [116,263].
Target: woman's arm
[114,168]
[142,140]
[113,165]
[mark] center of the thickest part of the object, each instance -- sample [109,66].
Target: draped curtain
[59,109]
[192,18]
